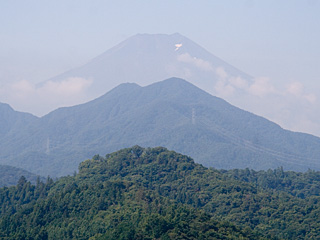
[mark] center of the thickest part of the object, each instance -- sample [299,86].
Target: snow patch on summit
[178,45]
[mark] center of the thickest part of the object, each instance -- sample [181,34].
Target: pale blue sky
[279,40]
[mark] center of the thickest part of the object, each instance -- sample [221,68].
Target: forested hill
[10,175]
[153,193]
[100,204]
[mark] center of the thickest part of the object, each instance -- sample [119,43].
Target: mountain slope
[274,213]
[154,193]
[149,58]
[10,175]
[172,113]
[97,207]
[10,119]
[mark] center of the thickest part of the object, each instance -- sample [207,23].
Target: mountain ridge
[155,193]
[10,176]
[172,113]
[149,58]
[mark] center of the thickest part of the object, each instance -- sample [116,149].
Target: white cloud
[310,98]
[25,95]
[67,87]
[261,87]
[224,89]
[20,89]
[221,73]
[297,89]
[239,82]
[227,85]
[198,62]
[292,107]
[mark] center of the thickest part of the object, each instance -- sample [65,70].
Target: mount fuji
[149,58]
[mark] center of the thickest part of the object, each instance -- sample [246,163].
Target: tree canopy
[154,193]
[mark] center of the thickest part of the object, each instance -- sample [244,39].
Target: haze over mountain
[148,58]
[10,176]
[172,113]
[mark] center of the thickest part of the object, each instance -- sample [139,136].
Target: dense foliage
[154,193]
[92,207]
[298,184]
[277,203]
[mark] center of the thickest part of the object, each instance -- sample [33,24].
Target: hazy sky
[278,40]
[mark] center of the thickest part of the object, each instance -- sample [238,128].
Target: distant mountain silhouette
[171,113]
[12,120]
[149,58]
[10,176]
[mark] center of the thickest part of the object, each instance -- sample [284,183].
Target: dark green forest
[154,193]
